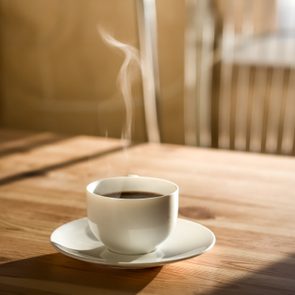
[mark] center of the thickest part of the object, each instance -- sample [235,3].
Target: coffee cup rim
[94,183]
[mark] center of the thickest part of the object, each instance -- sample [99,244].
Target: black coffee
[132,195]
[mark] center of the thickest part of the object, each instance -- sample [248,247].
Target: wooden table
[248,200]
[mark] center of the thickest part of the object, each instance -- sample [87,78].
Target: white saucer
[189,239]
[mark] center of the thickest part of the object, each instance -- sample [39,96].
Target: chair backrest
[239,74]
[255,69]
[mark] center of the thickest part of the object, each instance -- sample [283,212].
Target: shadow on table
[56,273]
[27,142]
[276,279]
[66,163]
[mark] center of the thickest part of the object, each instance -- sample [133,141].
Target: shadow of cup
[58,273]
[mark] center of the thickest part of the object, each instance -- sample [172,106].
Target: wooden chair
[239,74]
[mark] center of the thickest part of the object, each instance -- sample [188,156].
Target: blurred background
[219,73]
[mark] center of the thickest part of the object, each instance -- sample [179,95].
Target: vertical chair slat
[192,31]
[289,117]
[206,66]
[227,55]
[147,27]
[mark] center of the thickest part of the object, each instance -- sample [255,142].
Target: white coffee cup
[132,226]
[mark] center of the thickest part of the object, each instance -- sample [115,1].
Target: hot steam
[125,78]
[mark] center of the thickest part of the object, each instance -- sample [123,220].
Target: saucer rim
[135,265]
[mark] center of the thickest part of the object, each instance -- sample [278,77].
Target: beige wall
[57,74]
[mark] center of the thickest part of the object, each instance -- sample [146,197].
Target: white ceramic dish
[188,239]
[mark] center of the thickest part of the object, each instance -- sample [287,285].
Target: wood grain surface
[24,154]
[248,200]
